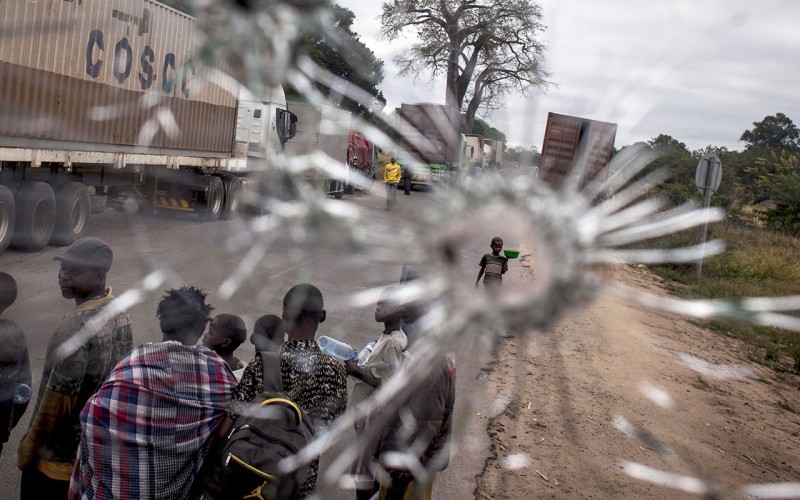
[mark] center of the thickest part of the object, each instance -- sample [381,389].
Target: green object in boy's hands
[511,254]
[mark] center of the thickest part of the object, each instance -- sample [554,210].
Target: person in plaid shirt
[145,433]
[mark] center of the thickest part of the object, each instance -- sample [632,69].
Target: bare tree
[485,48]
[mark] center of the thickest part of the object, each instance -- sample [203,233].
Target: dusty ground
[563,435]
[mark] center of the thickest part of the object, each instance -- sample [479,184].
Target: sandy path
[561,435]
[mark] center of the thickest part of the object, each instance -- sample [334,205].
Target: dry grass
[757,263]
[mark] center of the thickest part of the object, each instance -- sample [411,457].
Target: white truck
[105,101]
[473,153]
[493,154]
[321,129]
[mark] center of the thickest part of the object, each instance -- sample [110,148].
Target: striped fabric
[144,433]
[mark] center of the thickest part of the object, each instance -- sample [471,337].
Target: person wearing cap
[87,344]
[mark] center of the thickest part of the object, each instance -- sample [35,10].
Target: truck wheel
[215,197]
[36,215]
[233,195]
[6,217]
[73,206]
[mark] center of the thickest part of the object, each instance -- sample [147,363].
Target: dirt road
[616,388]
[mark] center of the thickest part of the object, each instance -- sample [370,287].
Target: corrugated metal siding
[319,128]
[47,90]
[432,132]
[563,138]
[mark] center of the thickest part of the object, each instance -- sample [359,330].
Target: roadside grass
[756,263]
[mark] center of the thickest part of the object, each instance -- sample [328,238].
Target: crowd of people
[111,420]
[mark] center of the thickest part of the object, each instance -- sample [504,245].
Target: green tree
[333,45]
[773,132]
[676,159]
[485,48]
[480,127]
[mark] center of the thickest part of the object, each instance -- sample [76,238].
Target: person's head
[8,291]
[183,314]
[226,333]
[303,311]
[392,160]
[268,333]
[496,245]
[83,268]
[388,309]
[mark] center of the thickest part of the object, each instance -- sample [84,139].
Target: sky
[701,71]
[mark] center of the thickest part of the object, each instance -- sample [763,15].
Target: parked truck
[494,154]
[473,153]
[362,155]
[576,147]
[104,101]
[431,140]
[325,129]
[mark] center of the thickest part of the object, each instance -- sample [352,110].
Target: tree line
[766,172]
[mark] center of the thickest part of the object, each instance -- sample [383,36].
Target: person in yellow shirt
[391,177]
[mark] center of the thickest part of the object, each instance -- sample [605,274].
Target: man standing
[87,344]
[407,181]
[312,379]
[391,177]
[145,433]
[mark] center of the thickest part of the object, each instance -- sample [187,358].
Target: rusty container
[575,146]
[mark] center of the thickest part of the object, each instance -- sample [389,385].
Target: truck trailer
[324,129]
[362,155]
[575,147]
[430,137]
[106,101]
[473,153]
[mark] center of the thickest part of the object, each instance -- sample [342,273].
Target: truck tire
[6,217]
[73,206]
[36,215]
[233,196]
[215,198]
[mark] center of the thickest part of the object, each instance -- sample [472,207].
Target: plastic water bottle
[23,394]
[366,352]
[336,348]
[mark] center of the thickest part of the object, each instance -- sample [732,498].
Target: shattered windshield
[415,249]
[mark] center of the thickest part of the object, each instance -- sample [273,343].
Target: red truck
[575,146]
[361,155]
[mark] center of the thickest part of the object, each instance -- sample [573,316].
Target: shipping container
[576,148]
[361,155]
[321,129]
[105,101]
[473,151]
[102,71]
[430,135]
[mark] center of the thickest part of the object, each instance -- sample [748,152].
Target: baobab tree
[485,48]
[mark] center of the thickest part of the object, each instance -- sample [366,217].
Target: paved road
[206,254]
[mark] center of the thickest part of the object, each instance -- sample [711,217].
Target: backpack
[269,428]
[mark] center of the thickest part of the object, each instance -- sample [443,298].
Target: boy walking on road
[493,265]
